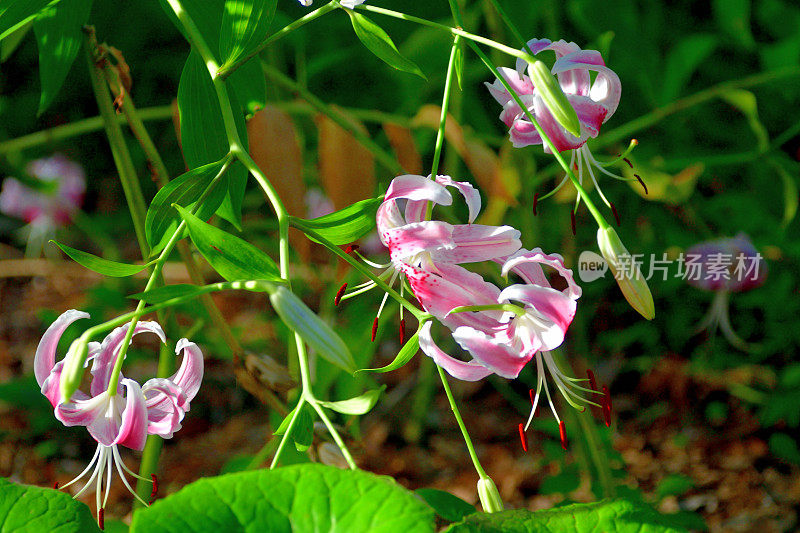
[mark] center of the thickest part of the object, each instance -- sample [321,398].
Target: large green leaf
[162,220]
[27,508]
[229,255]
[379,43]
[308,497]
[16,13]
[100,265]
[343,226]
[59,36]
[451,508]
[620,516]
[203,137]
[245,24]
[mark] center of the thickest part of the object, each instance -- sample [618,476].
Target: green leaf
[203,138]
[10,43]
[303,433]
[745,101]
[250,86]
[785,447]
[379,43]
[229,255]
[407,352]
[27,508]
[308,497]
[16,13]
[681,62]
[162,220]
[59,36]
[245,24]
[458,64]
[674,485]
[343,226]
[100,265]
[356,406]
[451,508]
[168,292]
[733,17]
[620,516]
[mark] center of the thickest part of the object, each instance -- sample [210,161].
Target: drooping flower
[122,418]
[594,102]
[724,266]
[414,241]
[505,329]
[45,209]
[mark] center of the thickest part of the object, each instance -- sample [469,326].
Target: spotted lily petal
[476,242]
[492,352]
[471,371]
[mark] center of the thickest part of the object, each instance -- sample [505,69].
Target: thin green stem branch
[287,434]
[448,85]
[454,407]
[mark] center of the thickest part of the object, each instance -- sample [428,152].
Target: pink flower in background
[724,266]
[124,418]
[593,102]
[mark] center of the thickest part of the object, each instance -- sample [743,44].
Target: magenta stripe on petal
[476,242]
[133,427]
[190,374]
[45,357]
[411,239]
[499,357]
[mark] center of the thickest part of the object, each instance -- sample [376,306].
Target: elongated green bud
[626,272]
[554,98]
[311,328]
[72,373]
[489,496]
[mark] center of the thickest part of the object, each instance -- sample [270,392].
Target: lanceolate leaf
[162,220]
[16,13]
[168,292]
[100,265]
[356,406]
[407,352]
[59,37]
[245,23]
[203,137]
[343,226]
[451,508]
[229,255]
[27,508]
[379,43]
[308,497]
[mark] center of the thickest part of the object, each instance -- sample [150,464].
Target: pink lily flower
[45,210]
[724,266]
[157,408]
[594,102]
[416,242]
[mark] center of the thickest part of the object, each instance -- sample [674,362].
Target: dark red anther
[606,413]
[374,328]
[592,382]
[351,248]
[535,201]
[628,161]
[154,492]
[608,396]
[339,294]
[572,221]
[533,399]
[523,437]
[100,519]
[641,182]
[402,330]
[616,215]
[55,485]
[562,432]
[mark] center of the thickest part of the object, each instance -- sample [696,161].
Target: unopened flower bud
[628,276]
[313,330]
[554,98]
[490,498]
[72,373]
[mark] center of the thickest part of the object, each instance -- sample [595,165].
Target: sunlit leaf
[451,508]
[343,226]
[16,13]
[682,61]
[245,23]
[379,43]
[356,406]
[100,265]
[406,353]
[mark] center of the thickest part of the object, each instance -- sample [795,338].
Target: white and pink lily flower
[594,102]
[126,417]
[503,329]
[414,241]
[49,208]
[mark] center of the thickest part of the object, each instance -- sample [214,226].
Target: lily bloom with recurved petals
[123,418]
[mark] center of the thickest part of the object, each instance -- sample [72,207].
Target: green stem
[448,85]
[79,127]
[601,221]
[226,70]
[335,434]
[474,456]
[286,435]
[384,158]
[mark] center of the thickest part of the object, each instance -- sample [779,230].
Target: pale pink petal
[502,359]
[166,406]
[406,241]
[562,140]
[84,411]
[190,374]
[413,187]
[527,263]
[45,357]
[471,371]
[133,426]
[51,387]
[476,242]
[519,82]
[554,306]
[536,46]
[470,194]
[416,210]
[388,217]
[590,114]
[105,359]
[606,89]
